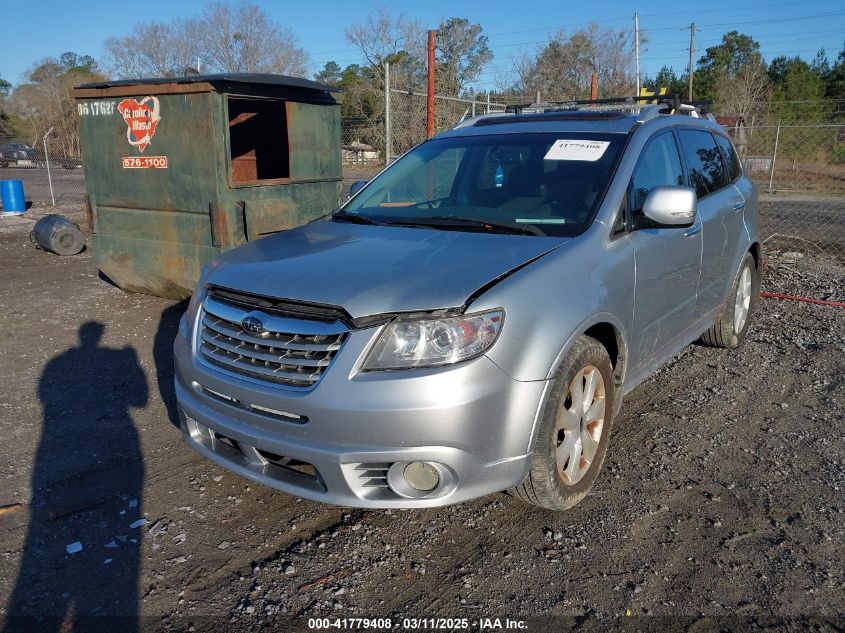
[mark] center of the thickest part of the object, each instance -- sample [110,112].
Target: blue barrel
[11,195]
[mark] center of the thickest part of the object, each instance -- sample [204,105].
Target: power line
[660,14]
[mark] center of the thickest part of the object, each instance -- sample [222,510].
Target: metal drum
[58,235]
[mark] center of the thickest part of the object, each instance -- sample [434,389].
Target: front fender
[551,302]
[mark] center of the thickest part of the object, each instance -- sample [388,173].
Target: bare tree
[242,38]
[562,69]
[226,38]
[743,92]
[384,38]
[157,50]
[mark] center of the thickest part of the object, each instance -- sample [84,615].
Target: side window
[659,164]
[704,161]
[730,156]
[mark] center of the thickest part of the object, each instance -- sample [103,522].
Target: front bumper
[351,427]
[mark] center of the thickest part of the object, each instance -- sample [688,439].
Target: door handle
[693,230]
[739,205]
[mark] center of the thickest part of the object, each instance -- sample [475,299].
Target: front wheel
[731,325]
[574,431]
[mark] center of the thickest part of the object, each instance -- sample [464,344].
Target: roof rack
[644,107]
[651,105]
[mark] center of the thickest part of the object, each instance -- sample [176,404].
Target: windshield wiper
[353,218]
[448,221]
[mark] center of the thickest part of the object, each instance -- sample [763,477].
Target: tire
[730,327]
[549,483]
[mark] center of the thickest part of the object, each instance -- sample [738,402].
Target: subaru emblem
[252,325]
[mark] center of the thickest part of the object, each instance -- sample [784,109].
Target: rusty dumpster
[180,169]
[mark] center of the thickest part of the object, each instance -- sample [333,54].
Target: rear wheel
[573,435]
[731,325]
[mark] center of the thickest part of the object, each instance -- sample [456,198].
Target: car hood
[371,270]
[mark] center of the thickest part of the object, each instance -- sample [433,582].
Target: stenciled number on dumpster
[95,107]
[145,162]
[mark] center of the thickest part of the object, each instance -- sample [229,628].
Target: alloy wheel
[743,300]
[580,425]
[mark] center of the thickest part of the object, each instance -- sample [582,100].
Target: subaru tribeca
[470,320]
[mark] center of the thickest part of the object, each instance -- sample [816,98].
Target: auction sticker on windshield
[567,149]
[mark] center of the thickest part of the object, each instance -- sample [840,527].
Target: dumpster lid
[216,79]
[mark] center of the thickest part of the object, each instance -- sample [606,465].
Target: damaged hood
[375,269]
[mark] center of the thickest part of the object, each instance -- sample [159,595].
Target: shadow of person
[87,483]
[168,326]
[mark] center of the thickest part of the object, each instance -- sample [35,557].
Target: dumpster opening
[258,139]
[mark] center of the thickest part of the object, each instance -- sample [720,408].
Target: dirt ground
[721,506]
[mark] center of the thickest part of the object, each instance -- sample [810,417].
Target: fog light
[422,476]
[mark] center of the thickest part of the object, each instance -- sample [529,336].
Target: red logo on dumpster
[141,118]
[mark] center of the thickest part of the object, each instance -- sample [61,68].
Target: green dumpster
[180,169]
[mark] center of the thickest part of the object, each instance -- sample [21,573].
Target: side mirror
[671,205]
[356,187]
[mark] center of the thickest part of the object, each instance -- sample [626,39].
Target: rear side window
[704,161]
[731,159]
[659,164]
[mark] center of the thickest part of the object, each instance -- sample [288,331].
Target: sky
[43,28]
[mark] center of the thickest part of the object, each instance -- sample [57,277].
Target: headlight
[186,324]
[430,342]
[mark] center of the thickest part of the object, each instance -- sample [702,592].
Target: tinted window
[730,156]
[704,161]
[552,182]
[659,164]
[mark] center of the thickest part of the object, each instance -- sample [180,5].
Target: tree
[562,70]
[6,127]
[384,38]
[45,100]
[225,38]
[835,78]
[331,75]
[733,75]
[242,38]
[461,54]
[743,93]
[156,50]
[724,62]
[666,78]
[797,90]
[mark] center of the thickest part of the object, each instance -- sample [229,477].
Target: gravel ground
[721,506]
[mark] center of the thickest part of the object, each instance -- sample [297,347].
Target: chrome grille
[290,351]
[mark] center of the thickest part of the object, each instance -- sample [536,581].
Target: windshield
[542,184]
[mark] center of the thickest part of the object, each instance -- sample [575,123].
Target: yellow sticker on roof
[564,149]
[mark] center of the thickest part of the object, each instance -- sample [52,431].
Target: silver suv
[469,321]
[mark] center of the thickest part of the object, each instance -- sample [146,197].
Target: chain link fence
[800,170]
[408,116]
[49,174]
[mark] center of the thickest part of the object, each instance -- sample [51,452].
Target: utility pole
[637,49]
[387,139]
[691,57]
[429,128]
